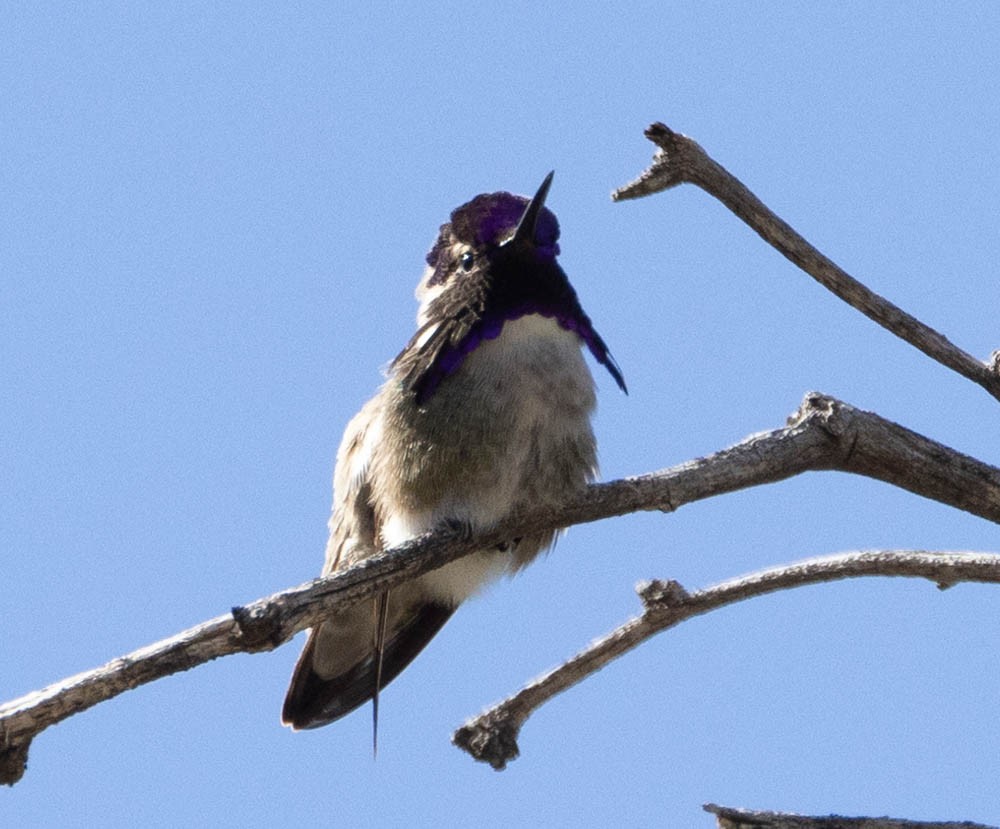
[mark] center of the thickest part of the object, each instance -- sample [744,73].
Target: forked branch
[823,434]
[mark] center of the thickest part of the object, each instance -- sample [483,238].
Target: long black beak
[525,231]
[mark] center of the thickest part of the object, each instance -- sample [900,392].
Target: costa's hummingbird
[486,411]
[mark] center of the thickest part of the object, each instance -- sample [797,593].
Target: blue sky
[212,222]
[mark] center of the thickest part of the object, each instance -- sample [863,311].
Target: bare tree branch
[681,160]
[492,736]
[822,434]
[745,819]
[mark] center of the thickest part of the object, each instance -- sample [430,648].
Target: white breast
[539,367]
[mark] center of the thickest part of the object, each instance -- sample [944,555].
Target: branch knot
[492,740]
[662,595]
[259,626]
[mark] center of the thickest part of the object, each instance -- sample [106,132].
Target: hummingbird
[485,412]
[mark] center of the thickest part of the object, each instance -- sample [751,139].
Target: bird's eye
[466,260]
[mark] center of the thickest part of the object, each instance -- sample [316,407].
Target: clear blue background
[211,224]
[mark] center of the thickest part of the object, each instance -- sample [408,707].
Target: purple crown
[487,219]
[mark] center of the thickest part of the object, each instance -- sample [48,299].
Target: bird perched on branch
[485,412]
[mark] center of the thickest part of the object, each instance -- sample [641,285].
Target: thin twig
[492,736]
[681,160]
[729,818]
[822,434]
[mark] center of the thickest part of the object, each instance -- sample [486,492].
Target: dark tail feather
[314,700]
[381,617]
